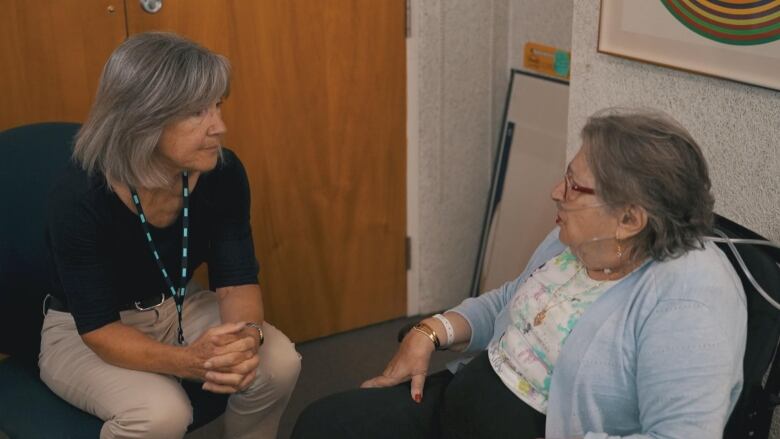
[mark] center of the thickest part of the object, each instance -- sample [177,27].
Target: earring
[619,248]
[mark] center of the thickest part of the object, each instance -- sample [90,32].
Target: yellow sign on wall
[547,60]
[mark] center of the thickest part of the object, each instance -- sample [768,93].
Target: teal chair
[31,158]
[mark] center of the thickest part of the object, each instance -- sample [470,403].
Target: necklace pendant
[539,318]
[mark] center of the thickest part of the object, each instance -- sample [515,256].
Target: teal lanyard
[177,294]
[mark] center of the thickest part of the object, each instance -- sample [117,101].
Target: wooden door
[52,53]
[317,114]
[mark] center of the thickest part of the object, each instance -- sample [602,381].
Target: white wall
[540,21]
[459,63]
[458,52]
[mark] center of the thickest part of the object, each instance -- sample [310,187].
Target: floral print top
[543,313]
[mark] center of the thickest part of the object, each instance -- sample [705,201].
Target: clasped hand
[225,358]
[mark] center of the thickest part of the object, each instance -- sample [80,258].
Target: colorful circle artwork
[738,22]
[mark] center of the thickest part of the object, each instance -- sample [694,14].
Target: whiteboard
[530,161]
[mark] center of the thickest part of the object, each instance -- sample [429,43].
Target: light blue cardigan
[658,355]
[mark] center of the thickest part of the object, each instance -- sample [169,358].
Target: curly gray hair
[149,81]
[646,158]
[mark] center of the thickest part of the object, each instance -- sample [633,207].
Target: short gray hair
[646,158]
[149,81]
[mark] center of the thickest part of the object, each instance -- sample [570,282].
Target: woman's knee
[375,413]
[320,419]
[169,421]
[162,416]
[287,365]
[280,364]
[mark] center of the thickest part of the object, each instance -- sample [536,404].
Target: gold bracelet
[427,331]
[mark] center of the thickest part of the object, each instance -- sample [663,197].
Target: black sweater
[102,262]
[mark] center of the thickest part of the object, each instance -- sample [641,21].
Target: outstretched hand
[410,362]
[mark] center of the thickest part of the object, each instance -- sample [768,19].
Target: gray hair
[646,158]
[149,81]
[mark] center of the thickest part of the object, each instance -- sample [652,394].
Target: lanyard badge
[176,293]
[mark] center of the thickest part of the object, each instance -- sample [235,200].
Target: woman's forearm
[124,346]
[243,303]
[460,326]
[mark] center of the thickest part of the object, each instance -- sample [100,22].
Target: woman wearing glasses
[625,323]
[150,196]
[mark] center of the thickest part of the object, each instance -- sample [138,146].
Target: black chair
[752,416]
[31,157]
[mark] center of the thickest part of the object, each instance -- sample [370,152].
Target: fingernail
[417,398]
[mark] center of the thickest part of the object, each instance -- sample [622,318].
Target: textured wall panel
[541,21]
[465,51]
[456,66]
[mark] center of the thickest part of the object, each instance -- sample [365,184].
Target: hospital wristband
[448,329]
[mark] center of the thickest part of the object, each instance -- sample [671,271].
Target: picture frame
[530,160]
[730,39]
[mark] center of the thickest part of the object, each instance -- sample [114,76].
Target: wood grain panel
[317,114]
[52,53]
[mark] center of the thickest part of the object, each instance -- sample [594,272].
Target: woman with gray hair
[150,196]
[625,323]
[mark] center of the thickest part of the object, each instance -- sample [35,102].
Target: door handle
[151,6]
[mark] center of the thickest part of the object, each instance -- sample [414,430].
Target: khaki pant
[136,404]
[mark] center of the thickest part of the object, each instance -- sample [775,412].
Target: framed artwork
[732,39]
[530,160]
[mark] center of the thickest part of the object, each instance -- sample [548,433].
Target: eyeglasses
[569,185]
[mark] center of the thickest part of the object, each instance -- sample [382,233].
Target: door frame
[412,160]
